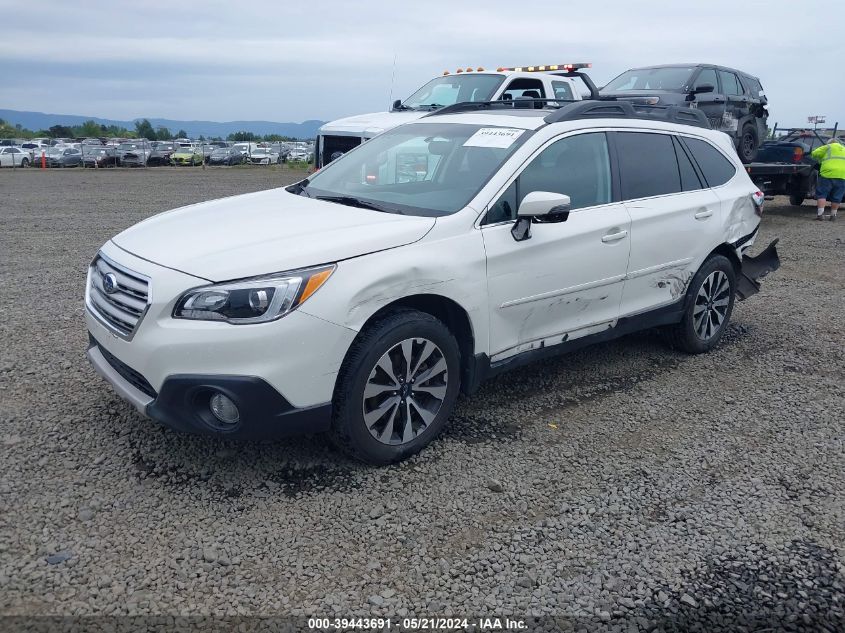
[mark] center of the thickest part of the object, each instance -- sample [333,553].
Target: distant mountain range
[42,121]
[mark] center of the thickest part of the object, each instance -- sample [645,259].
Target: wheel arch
[724,249]
[453,315]
[728,251]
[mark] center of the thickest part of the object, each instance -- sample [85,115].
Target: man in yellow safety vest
[831,184]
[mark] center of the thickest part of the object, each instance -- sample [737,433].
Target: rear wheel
[25,163]
[748,144]
[710,301]
[397,387]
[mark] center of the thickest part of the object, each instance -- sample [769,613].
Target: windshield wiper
[402,106]
[351,201]
[430,106]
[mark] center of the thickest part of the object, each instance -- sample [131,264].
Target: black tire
[748,144]
[812,183]
[796,199]
[349,429]
[686,335]
[25,163]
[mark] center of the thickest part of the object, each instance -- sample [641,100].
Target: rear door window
[647,165]
[716,168]
[730,83]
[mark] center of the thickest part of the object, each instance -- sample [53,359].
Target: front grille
[127,373]
[335,144]
[122,309]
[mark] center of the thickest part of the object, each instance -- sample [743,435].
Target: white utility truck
[552,82]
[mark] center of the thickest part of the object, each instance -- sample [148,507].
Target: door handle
[614,237]
[703,214]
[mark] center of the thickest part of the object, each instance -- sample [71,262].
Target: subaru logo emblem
[110,283]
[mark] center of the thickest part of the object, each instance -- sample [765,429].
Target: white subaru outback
[361,300]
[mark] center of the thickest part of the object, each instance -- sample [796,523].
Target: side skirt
[482,369]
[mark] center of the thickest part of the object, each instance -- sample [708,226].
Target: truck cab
[555,82]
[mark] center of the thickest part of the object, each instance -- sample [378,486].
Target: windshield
[671,78]
[129,146]
[451,89]
[426,169]
[161,147]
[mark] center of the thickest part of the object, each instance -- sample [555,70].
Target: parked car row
[144,153]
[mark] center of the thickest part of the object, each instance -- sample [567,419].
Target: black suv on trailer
[732,100]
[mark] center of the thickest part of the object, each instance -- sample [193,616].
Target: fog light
[224,409]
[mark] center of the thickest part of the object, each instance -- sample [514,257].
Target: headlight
[252,300]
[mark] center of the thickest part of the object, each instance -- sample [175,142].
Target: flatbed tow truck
[796,176]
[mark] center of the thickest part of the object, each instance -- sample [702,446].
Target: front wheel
[710,301]
[396,388]
[25,163]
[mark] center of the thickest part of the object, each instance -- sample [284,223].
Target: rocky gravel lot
[625,487]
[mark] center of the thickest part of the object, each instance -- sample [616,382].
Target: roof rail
[520,103]
[627,110]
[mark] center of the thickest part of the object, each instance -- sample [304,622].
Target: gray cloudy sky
[291,61]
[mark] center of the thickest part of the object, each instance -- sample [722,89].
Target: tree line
[143,129]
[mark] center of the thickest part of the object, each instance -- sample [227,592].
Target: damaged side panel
[447,264]
[742,222]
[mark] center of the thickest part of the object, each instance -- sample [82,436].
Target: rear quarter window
[717,169]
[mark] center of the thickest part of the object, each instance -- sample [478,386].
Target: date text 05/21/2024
[418,624]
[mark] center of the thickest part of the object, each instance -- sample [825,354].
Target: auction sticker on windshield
[493,137]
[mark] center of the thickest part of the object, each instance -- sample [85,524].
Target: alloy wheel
[404,391]
[711,305]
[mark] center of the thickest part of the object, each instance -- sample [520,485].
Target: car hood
[265,232]
[369,125]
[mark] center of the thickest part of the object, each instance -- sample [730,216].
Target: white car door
[675,219]
[566,280]
[5,157]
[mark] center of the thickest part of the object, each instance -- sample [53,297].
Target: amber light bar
[547,68]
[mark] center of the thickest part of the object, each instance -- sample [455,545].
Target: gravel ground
[626,486]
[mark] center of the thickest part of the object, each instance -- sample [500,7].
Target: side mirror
[702,88]
[545,206]
[543,203]
[397,104]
